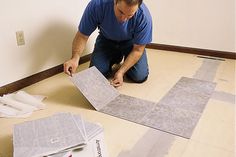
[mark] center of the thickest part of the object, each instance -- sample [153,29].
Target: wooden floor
[214,135]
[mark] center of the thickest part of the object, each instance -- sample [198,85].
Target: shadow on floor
[6,144]
[69,96]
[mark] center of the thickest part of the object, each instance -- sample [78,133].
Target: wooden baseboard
[205,52]
[17,85]
[12,87]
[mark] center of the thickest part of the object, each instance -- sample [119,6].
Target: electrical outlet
[20,39]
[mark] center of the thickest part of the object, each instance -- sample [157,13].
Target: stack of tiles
[54,136]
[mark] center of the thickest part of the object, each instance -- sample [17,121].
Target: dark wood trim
[17,85]
[205,52]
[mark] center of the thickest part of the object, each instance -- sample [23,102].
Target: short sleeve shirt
[100,14]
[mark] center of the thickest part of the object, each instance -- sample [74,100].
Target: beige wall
[49,27]
[207,24]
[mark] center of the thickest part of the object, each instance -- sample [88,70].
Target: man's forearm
[78,45]
[132,58]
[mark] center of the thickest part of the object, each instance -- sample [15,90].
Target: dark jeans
[108,52]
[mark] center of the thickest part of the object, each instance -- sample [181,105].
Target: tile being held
[95,87]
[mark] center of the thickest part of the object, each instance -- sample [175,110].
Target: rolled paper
[29,99]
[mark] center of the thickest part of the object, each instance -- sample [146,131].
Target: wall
[49,28]
[206,24]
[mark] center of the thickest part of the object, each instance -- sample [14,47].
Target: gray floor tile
[189,94]
[172,120]
[153,143]
[95,87]
[177,112]
[208,70]
[129,108]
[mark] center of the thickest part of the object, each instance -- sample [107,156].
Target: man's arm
[78,46]
[130,61]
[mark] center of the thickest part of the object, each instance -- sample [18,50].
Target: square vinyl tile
[172,120]
[129,108]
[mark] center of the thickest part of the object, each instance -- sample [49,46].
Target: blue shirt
[100,13]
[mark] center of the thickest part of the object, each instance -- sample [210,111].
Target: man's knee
[140,80]
[105,70]
[138,77]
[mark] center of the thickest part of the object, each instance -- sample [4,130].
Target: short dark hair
[131,2]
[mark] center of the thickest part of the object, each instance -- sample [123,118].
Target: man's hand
[70,66]
[132,59]
[117,81]
[78,46]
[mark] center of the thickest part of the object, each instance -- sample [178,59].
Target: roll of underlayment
[8,101]
[26,98]
[7,110]
[20,104]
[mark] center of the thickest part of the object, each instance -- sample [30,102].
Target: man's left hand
[117,81]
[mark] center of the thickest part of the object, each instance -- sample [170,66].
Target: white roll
[7,110]
[26,98]
[17,105]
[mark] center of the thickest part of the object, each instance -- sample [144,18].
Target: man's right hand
[78,46]
[70,66]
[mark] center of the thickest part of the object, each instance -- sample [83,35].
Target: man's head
[125,9]
[130,2]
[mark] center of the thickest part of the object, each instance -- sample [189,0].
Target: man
[125,27]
